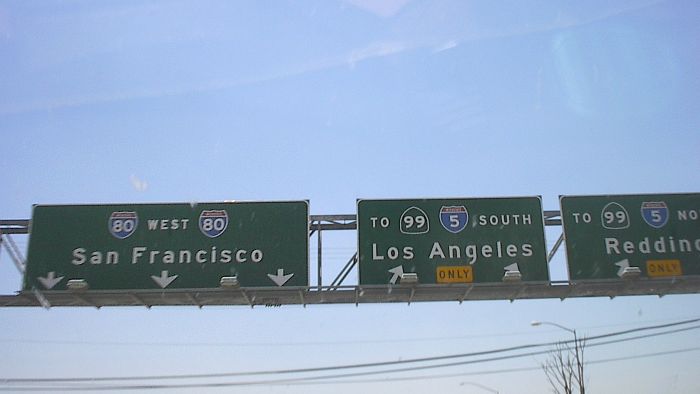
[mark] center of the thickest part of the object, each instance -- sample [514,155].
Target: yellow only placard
[662,268]
[454,274]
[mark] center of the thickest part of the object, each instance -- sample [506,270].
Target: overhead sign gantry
[256,253]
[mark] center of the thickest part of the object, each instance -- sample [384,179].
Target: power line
[446,365]
[367,365]
[378,364]
[325,379]
[496,371]
[294,344]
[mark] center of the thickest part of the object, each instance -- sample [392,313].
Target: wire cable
[380,364]
[497,371]
[347,366]
[325,379]
[306,343]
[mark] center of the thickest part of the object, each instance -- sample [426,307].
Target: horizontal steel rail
[317,222]
[267,297]
[17,226]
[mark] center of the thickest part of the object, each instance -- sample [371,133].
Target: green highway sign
[447,241]
[609,236]
[159,246]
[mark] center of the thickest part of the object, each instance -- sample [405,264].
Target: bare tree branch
[564,368]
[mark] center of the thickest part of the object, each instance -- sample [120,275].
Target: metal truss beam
[317,222]
[359,295]
[18,226]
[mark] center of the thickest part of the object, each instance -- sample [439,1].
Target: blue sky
[330,101]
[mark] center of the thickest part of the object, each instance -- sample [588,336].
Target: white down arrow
[51,280]
[280,279]
[163,280]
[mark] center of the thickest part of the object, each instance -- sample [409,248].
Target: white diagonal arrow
[163,280]
[622,264]
[397,271]
[51,280]
[280,279]
[512,267]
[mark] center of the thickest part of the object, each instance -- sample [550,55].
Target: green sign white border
[542,215]
[192,204]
